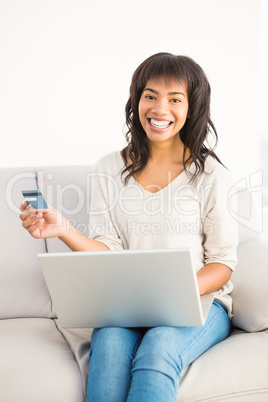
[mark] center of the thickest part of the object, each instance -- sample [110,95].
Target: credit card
[35,199]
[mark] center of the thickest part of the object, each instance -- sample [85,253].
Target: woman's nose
[160,107]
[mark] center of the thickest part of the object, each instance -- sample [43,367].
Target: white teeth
[160,124]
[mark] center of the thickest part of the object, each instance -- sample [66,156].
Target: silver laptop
[130,288]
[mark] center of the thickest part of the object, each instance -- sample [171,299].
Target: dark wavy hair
[195,131]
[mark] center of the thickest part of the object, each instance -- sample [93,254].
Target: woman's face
[163,109]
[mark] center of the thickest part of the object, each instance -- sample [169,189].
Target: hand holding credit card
[41,220]
[35,199]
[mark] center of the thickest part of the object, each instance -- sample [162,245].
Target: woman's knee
[161,340]
[114,343]
[158,351]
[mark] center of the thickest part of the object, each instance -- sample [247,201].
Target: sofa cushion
[233,370]
[36,363]
[78,340]
[250,296]
[23,292]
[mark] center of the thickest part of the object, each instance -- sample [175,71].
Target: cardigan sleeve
[219,226]
[103,195]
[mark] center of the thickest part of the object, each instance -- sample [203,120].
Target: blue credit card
[35,199]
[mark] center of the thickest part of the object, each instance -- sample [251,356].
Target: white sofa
[41,362]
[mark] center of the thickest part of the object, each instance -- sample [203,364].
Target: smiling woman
[174,194]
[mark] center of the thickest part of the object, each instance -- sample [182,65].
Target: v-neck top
[182,214]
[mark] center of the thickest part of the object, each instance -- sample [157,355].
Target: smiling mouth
[159,123]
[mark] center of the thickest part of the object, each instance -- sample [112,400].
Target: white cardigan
[195,215]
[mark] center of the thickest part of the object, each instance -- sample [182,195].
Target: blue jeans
[145,364]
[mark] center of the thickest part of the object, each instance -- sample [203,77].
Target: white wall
[263,120]
[65,69]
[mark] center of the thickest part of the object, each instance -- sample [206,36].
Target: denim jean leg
[165,351]
[216,329]
[110,363]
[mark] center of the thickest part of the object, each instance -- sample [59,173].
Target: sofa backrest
[67,189]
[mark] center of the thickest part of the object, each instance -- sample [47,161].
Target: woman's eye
[176,100]
[149,97]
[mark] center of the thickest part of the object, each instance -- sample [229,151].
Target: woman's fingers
[23,206]
[42,223]
[26,214]
[35,228]
[29,220]
[28,211]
